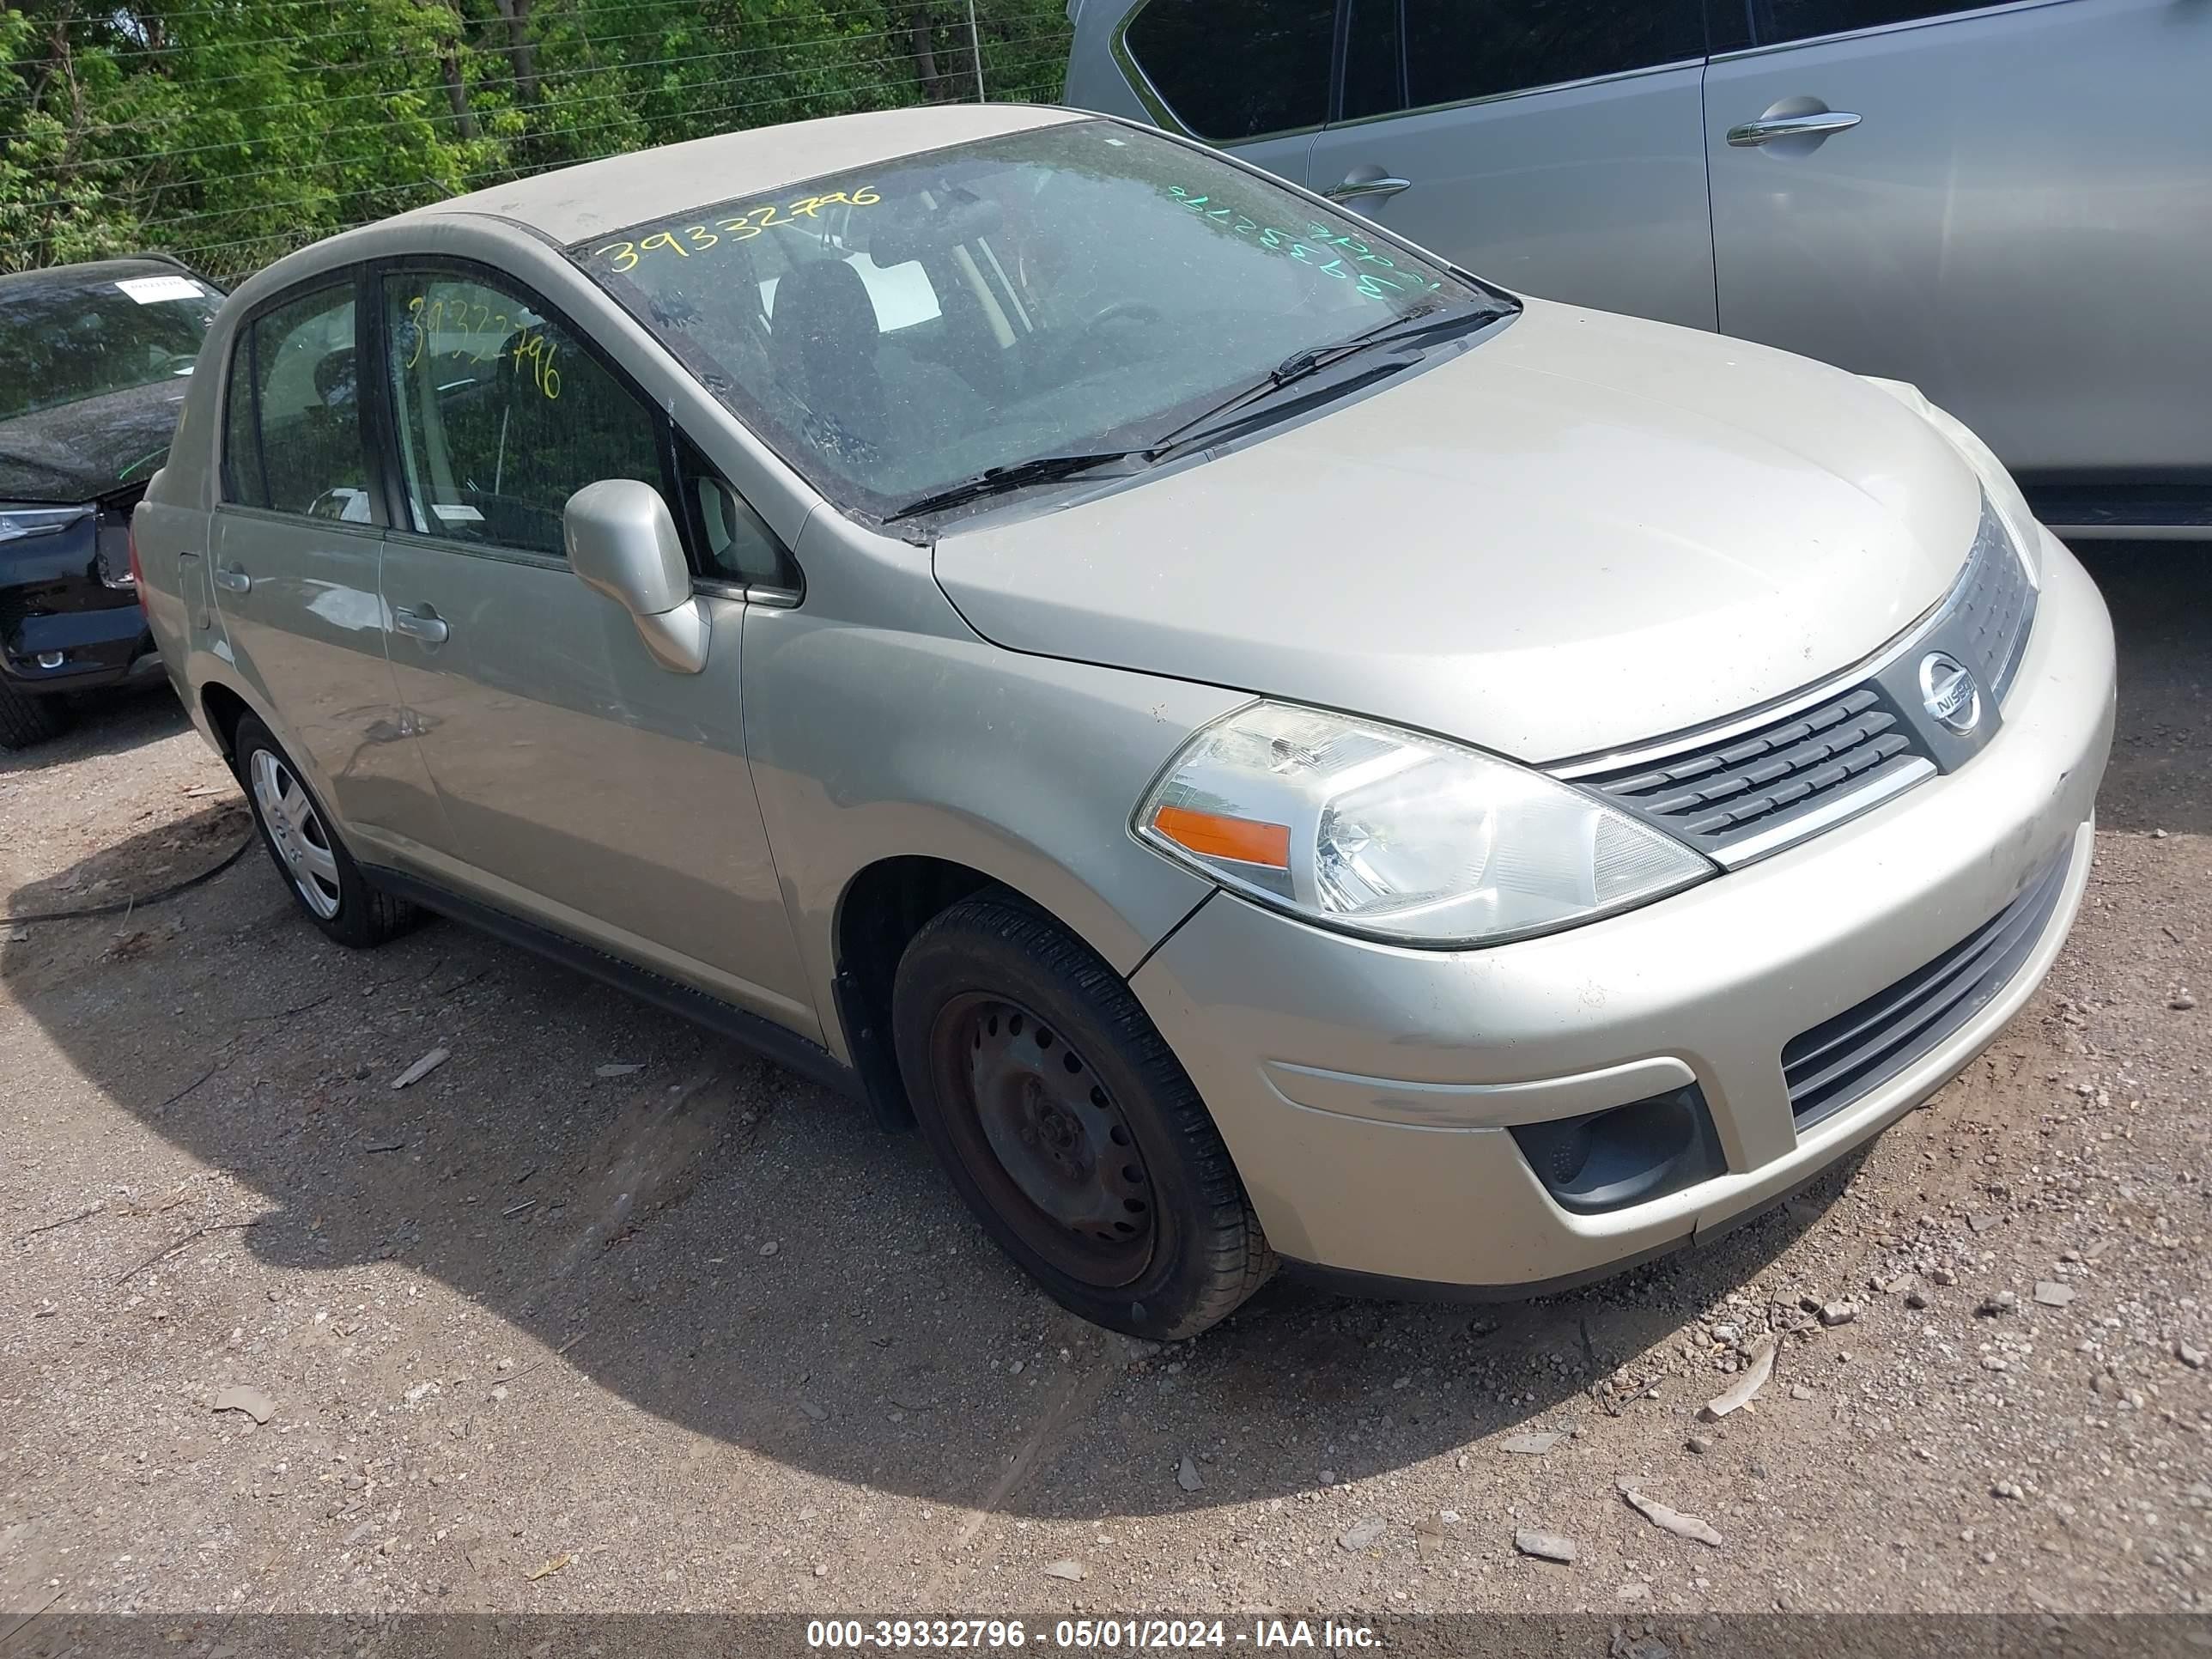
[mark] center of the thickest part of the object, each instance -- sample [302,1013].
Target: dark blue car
[93,361]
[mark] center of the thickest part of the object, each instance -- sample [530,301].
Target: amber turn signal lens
[1212,836]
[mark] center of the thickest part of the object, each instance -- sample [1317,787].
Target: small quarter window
[1237,69]
[292,428]
[1781,20]
[501,413]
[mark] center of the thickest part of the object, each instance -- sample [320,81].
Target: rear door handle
[425,624]
[232,579]
[1352,188]
[1764,130]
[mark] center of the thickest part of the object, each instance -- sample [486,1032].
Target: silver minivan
[1263,745]
[2010,206]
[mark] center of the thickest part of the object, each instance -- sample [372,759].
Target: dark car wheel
[28,718]
[323,878]
[1068,1124]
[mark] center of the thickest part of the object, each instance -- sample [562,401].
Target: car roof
[94,271]
[571,204]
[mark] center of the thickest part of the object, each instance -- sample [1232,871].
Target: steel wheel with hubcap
[303,845]
[1068,1124]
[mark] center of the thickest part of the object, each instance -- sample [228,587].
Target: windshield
[1076,289]
[70,338]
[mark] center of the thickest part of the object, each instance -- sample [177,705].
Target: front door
[295,544]
[2007,208]
[1554,146]
[587,787]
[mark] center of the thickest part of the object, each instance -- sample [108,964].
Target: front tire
[1069,1126]
[323,878]
[30,718]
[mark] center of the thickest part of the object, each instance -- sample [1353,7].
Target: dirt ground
[538,1333]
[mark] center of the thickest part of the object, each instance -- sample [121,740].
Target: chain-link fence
[229,134]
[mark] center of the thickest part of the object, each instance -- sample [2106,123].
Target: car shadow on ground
[103,722]
[729,1248]
[746,1258]
[2161,595]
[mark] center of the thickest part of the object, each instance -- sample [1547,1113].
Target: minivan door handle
[425,624]
[232,578]
[1765,130]
[1350,188]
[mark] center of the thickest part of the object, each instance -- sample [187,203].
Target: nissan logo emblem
[1948,692]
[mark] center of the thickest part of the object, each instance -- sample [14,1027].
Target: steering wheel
[1124,311]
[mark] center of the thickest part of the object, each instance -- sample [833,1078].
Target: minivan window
[297,447]
[1461,49]
[1780,20]
[1237,69]
[1068,290]
[501,414]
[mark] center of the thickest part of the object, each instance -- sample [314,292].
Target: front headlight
[1390,834]
[31,519]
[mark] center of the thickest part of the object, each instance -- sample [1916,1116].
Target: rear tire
[28,718]
[317,869]
[1069,1126]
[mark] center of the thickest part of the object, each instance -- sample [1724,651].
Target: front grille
[1748,793]
[1759,780]
[1993,605]
[1841,1059]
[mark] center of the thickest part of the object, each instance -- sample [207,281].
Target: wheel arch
[881,909]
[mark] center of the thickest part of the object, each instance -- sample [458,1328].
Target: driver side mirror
[621,540]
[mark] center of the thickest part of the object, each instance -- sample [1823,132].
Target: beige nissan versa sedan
[1263,744]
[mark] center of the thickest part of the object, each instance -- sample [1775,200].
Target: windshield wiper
[997,480]
[1413,329]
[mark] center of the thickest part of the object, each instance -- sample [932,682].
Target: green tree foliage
[231,131]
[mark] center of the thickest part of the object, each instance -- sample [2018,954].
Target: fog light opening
[1624,1155]
[52,659]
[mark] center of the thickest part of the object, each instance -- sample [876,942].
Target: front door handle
[1352,188]
[425,624]
[232,579]
[1765,130]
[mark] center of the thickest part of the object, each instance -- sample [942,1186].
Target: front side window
[1069,289]
[501,414]
[1797,20]
[1237,69]
[292,428]
[66,337]
[1461,49]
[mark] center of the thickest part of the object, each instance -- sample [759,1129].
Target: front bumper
[58,602]
[1366,1090]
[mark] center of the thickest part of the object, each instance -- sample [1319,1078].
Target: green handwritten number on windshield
[1313,248]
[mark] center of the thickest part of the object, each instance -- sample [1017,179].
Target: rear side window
[1797,20]
[292,436]
[1237,69]
[1461,49]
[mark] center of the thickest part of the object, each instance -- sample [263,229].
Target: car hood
[1585,532]
[81,451]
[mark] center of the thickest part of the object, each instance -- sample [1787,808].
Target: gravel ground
[603,1313]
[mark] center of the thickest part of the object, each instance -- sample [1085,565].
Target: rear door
[1555,146]
[295,545]
[2010,206]
[587,787]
